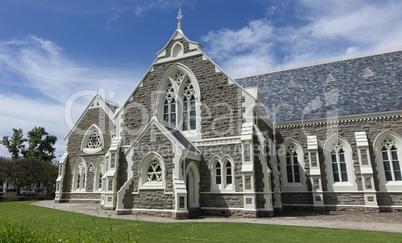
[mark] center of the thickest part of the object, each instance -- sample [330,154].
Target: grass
[23,222]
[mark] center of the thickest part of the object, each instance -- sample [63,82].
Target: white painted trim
[216,208]
[217,141]
[193,197]
[333,186]
[178,58]
[344,205]
[152,210]
[285,185]
[384,185]
[341,119]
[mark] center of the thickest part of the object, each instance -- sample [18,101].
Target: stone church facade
[190,139]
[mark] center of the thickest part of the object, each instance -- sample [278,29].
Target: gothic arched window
[292,165]
[189,111]
[178,101]
[392,168]
[169,106]
[339,170]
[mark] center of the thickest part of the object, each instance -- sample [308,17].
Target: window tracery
[392,169]
[292,165]
[178,102]
[339,170]
[222,172]
[94,141]
[178,78]
[169,106]
[154,172]
[189,111]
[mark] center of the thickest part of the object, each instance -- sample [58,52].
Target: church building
[192,140]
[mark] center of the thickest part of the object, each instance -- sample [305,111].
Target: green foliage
[51,225]
[40,144]
[24,171]
[15,144]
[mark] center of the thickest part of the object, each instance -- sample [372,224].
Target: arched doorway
[192,185]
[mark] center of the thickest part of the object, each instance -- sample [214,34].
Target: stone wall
[92,116]
[346,129]
[297,198]
[221,115]
[162,199]
[81,197]
[153,199]
[219,200]
[208,152]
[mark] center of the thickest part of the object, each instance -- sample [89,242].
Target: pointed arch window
[92,141]
[292,165]
[218,173]
[189,111]
[339,165]
[339,170]
[228,173]
[152,172]
[80,176]
[169,106]
[222,174]
[392,168]
[178,102]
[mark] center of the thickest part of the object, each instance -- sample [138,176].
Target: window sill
[92,151]
[218,188]
[152,186]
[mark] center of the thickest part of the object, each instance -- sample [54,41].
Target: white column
[363,152]
[315,173]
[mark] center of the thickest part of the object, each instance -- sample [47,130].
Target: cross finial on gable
[179,17]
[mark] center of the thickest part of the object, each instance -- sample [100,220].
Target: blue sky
[55,55]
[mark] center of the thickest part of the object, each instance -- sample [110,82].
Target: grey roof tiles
[350,93]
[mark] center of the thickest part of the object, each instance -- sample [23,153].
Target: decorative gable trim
[96,102]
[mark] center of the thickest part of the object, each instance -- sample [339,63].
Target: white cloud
[320,30]
[240,49]
[44,80]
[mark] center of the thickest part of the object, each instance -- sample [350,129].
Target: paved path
[390,222]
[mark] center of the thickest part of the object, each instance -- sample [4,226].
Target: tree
[40,144]
[35,165]
[3,174]
[15,144]
[25,171]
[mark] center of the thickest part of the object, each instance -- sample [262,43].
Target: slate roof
[314,95]
[182,139]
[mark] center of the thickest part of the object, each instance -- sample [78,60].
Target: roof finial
[179,17]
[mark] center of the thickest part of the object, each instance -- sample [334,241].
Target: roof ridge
[324,61]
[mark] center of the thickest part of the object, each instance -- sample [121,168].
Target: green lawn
[21,222]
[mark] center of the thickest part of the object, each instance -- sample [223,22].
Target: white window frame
[99,174]
[143,172]
[384,185]
[224,185]
[291,144]
[87,136]
[332,143]
[80,172]
[179,83]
